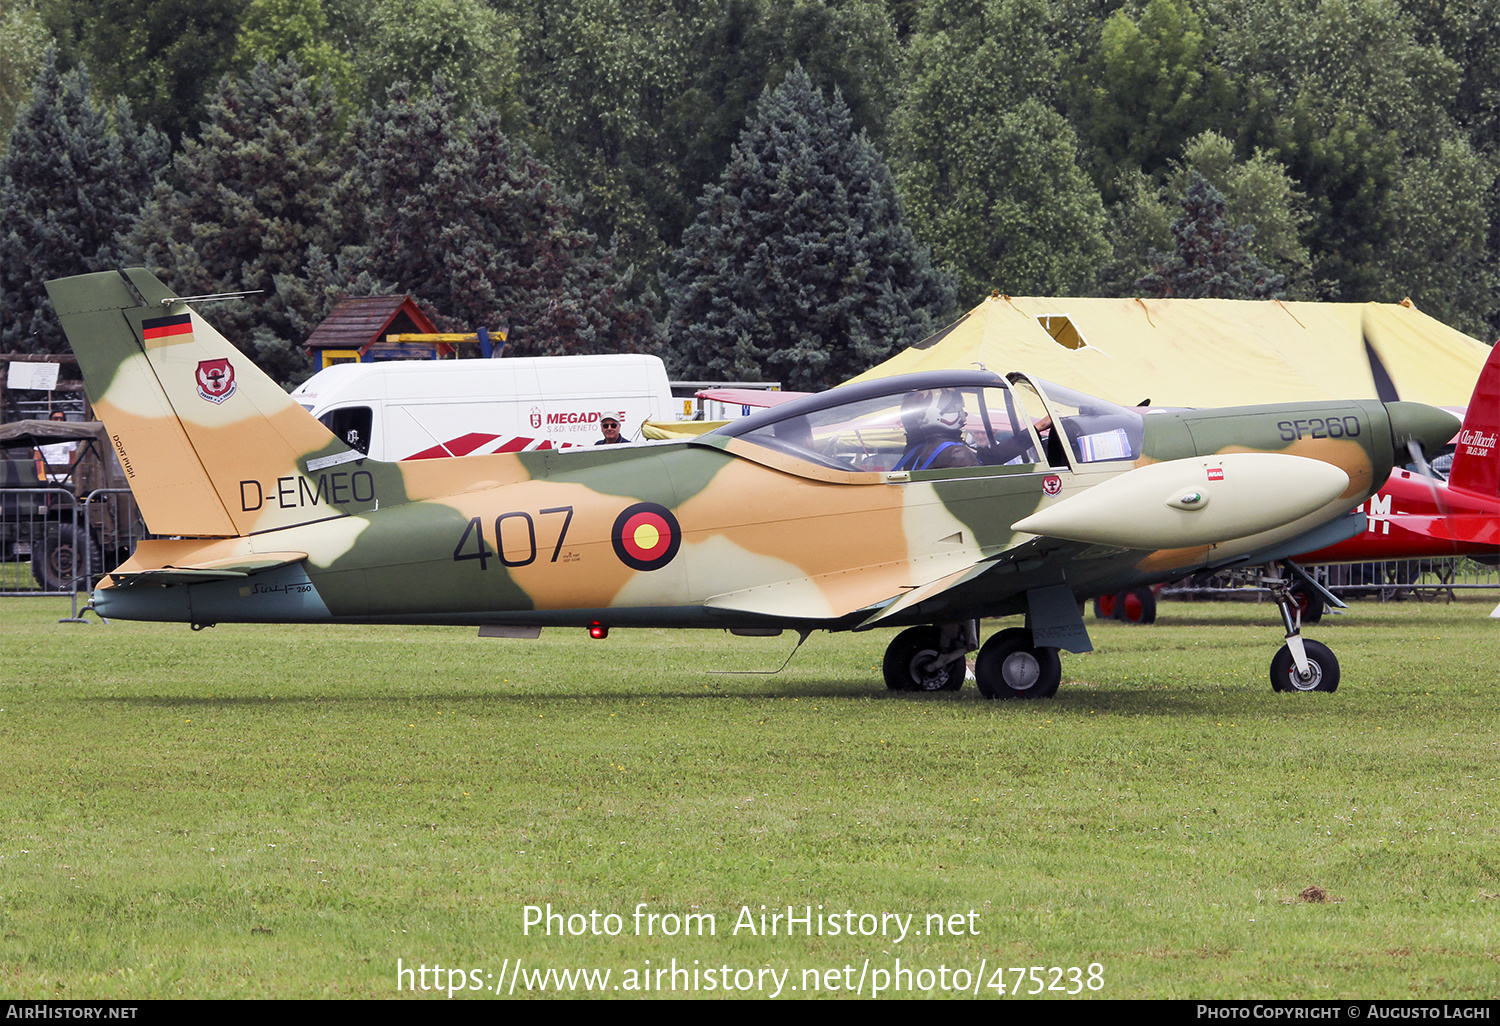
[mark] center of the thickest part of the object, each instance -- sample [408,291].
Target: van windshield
[351,424]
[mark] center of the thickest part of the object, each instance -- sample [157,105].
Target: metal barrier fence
[52,543]
[37,526]
[1392,581]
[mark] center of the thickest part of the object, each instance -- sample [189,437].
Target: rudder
[204,436]
[1476,460]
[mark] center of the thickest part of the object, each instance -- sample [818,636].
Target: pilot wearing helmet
[934,421]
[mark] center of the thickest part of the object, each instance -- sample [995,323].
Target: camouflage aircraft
[926,502]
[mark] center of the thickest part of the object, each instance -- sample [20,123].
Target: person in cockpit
[934,421]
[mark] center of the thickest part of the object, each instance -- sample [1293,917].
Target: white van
[420,409]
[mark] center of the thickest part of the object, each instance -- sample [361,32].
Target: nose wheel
[1322,672]
[1301,664]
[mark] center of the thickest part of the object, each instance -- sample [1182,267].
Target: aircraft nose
[1429,426]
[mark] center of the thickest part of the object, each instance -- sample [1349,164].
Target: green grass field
[286,812]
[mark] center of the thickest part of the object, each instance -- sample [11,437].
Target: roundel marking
[646,536]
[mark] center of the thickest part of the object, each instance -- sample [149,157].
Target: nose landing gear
[1301,665]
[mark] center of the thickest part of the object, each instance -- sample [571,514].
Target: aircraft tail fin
[211,446]
[1476,461]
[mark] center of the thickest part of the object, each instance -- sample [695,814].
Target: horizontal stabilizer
[209,570]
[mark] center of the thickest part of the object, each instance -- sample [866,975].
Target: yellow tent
[1207,352]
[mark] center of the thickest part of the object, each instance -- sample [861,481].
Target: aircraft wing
[929,590]
[1469,529]
[1039,562]
[885,593]
[823,597]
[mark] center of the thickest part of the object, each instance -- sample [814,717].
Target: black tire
[1322,667]
[1137,606]
[54,567]
[908,658]
[1009,666]
[1309,602]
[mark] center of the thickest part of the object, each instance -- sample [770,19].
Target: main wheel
[1105,607]
[1322,669]
[1010,666]
[61,560]
[1308,602]
[1138,606]
[910,663]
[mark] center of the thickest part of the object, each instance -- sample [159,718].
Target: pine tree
[799,266]
[474,226]
[250,197]
[73,176]
[1210,260]
[988,166]
[161,55]
[1257,192]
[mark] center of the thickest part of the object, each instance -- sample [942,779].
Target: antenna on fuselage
[801,637]
[214,298]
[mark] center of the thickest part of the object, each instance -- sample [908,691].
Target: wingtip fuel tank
[1198,501]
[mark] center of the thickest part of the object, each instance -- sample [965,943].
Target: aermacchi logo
[1476,443]
[536,417]
[1216,473]
[215,380]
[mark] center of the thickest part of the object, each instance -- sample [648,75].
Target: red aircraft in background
[1418,517]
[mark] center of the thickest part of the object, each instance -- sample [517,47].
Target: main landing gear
[929,658]
[1009,665]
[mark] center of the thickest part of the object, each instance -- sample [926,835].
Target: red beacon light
[597,630]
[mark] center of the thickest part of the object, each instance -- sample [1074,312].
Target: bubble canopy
[1003,422]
